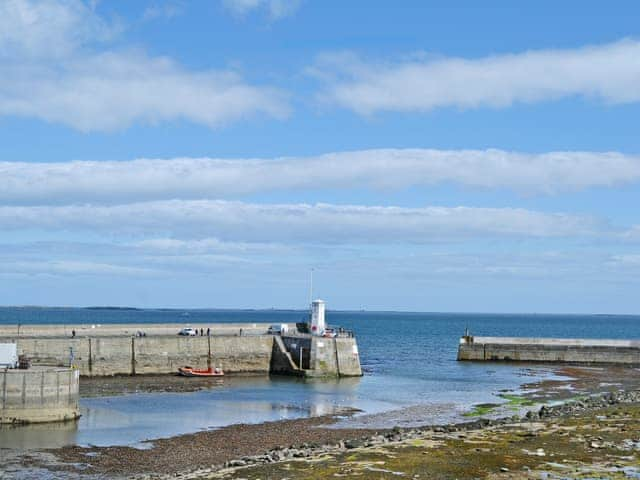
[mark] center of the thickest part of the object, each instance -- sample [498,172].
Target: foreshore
[270,450]
[584,439]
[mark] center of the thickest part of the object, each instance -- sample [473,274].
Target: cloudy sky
[426,156]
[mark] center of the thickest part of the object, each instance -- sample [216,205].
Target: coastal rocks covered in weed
[588,435]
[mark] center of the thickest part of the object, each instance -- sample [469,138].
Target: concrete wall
[38,395]
[129,355]
[348,357]
[550,350]
[232,354]
[334,357]
[281,359]
[162,354]
[297,346]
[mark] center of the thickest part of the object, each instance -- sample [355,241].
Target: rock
[355,443]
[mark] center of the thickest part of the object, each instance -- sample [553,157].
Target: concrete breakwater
[237,348]
[591,351]
[39,394]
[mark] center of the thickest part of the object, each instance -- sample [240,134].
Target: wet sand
[153,383]
[203,449]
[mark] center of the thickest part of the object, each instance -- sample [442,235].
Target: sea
[411,376]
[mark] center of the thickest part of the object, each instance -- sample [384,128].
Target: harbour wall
[321,356]
[101,356]
[38,395]
[554,350]
[106,354]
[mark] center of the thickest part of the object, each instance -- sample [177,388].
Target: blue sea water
[409,359]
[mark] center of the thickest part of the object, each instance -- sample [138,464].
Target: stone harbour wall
[38,395]
[624,352]
[122,355]
[159,354]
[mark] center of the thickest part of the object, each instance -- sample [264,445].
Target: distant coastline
[303,309]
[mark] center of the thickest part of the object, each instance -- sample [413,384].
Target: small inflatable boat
[195,372]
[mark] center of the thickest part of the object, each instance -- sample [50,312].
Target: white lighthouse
[317,317]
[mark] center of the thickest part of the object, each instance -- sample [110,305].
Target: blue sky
[434,156]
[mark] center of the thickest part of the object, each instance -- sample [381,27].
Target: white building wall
[318,325]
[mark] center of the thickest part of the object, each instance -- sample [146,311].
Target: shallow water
[385,401]
[411,375]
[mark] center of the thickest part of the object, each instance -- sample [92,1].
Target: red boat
[195,372]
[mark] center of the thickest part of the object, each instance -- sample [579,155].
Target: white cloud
[276,9]
[112,90]
[607,72]
[143,179]
[297,223]
[72,267]
[48,28]
[205,246]
[61,80]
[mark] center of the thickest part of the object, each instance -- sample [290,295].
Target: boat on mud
[198,372]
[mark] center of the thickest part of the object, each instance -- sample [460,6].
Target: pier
[553,350]
[103,350]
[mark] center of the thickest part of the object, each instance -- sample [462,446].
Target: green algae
[516,400]
[481,409]
[513,402]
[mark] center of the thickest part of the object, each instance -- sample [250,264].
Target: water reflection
[133,419]
[38,435]
[401,398]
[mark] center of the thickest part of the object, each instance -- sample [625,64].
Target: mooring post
[133,356]
[90,359]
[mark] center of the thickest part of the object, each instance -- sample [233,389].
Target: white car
[278,329]
[188,332]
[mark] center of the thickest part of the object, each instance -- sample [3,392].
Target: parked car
[330,333]
[278,329]
[188,332]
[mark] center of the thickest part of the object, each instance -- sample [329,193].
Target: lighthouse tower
[317,317]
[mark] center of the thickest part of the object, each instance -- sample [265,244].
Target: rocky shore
[397,437]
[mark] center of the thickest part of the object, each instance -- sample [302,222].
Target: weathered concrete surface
[38,395]
[127,354]
[348,357]
[138,355]
[334,357]
[232,354]
[555,350]
[282,358]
